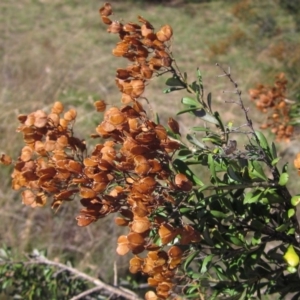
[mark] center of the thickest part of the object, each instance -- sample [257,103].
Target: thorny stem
[240,186]
[276,175]
[245,110]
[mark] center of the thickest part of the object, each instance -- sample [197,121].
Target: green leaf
[197,128]
[185,210]
[257,171]
[284,177]
[220,273]
[191,109]
[184,154]
[185,76]
[197,276]
[207,237]
[272,196]
[204,115]
[285,168]
[242,295]
[227,203]
[282,227]
[236,241]
[295,200]
[6,283]
[172,89]
[174,81]
[218,236]
[273,151]
[275,161]
[205,262]
[199,76]
[193,140]
[189,101]
[211,163]
[233,175]
[209,101]
[291,212]
[257,225]
[292,269]
[195,87]
[157,121]
[213,139]
[218,214]
[262,140]
[220,123]
[252,197]
[189,259]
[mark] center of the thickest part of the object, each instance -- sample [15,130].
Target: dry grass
[56,49]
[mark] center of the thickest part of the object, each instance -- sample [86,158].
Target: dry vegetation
[59,50]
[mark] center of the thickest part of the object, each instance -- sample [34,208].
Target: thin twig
[115,274]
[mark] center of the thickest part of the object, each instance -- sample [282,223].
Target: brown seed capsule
[174,126]
[100,105]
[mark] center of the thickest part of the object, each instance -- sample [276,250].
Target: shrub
[206,216]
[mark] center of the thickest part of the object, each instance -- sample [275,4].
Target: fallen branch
[127,294]
[87,292]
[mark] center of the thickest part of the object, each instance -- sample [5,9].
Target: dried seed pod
[150,295]
[165,33]
[22,118]
[57,108]
[167,233]
[138,87]
[120,49]
[136,242]
[146,72]
[115,27]
[87,192]
[40,119]
[28,197]
[142,166]
[106,20]
[26,153]
[121,221]
[145,185]
[123,243]
[63,195]
[135,264]
[131,27]
[5,159]
[174,126]
[106,10]
[175,252]
[100,105]
[84,220]
[140,224]
[70,115]
[145,22]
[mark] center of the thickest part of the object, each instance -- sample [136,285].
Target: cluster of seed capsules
[131,173]
[146,50]
[272,100]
